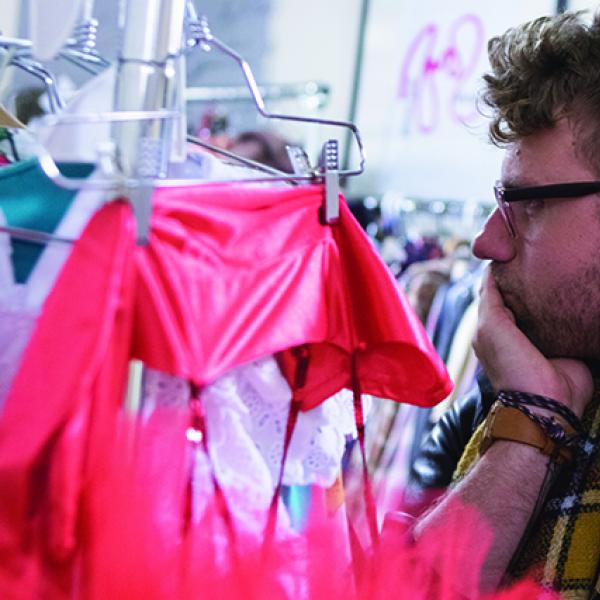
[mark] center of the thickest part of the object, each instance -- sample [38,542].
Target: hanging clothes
[16,322]
[206,294]
[461,361]
[30,200]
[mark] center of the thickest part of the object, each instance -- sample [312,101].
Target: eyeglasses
[504,196]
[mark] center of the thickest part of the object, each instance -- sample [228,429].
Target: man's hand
[512,362]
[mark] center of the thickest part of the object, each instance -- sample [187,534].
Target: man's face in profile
[549,274]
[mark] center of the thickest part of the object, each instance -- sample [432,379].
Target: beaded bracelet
[550,426]
[542,402]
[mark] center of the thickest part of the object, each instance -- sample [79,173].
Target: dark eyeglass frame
[504,196]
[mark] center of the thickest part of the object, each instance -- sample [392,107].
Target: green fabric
[29,199]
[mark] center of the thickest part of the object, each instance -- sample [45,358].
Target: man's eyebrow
[518,183]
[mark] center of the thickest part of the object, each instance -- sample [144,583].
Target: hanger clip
[148,168]
[299,160]
[140,196]
[140,199]
[329,166]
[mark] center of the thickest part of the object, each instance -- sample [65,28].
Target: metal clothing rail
[202,36]
[146,76]
[241,93]
[149,71]
[149,109]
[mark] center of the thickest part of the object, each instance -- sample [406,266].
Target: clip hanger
[138,191]
[232,155]
[202,36]
[328,170]
[299,160]
[329,164]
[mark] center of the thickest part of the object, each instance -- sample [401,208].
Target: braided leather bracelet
[554,431]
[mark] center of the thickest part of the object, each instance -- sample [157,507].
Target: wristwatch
[507,423]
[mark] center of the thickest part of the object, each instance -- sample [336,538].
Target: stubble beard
[561,321]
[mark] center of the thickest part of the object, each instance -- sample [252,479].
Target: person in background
[28,104]
[264,147]
[525,449]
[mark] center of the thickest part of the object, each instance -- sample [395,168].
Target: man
[539,319]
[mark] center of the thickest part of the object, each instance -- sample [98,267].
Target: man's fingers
[491,302]
[511,361]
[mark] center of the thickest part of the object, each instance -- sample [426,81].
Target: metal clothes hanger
[51,170]
[327,171]
[236,157]
[19,52]
[40,72]
[80,49]
[114,181]
[19,56]
[34,236]
[110,179]
[200,35]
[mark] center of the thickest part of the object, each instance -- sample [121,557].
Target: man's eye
[533,206]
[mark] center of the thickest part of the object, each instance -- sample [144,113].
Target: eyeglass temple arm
[575,189]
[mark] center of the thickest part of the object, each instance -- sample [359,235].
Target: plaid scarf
[563,552]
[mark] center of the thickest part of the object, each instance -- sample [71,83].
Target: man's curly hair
[543,71]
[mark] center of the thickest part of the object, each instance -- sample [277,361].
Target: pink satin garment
[231,273]
[235,273]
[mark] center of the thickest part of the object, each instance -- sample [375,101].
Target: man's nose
[494,241]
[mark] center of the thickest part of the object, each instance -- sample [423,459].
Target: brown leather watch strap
[507,423]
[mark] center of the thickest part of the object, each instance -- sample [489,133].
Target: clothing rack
[311,91]
[150,66]
[441,217]
[146,118]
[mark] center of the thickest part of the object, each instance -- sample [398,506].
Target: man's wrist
[507,423]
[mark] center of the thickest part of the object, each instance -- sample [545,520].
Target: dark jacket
[443,446]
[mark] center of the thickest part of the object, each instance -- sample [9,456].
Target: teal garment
[29,199]
[297,500]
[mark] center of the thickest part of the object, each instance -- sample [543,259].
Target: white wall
[583,5]
[313,40]
[422,132]
[9,26]
[9,17]
[417,104]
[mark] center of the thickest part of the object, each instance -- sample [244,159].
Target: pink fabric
[231,273]
[235,273]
